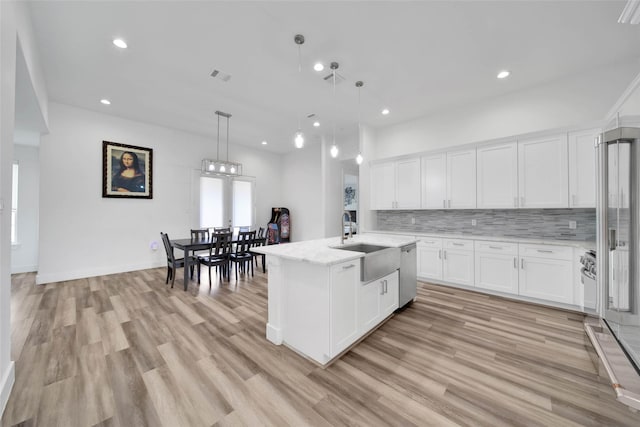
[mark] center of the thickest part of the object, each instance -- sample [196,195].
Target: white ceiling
[414,57]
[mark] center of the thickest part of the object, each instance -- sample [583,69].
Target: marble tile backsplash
[518,223]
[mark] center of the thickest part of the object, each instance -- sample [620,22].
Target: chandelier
[217,166]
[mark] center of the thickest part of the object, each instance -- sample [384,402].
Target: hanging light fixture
[298,138]
[359,157]
[217,166]
[334,147]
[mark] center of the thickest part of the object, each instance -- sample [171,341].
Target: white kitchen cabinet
[546,272]
[461,179]
[396,185]
[496,266]
[389,294]
[457,261]
[582,169]
[543,172]
[497,176]
[429,253]
[344,298]
[434,181]
[377,300]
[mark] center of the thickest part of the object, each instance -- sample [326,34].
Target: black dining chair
[221,229]
[241,255]
[200,234]
[260,240]
[174,263]
[218,255]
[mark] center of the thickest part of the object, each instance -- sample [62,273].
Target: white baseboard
[6,384]
[62,276]
[24,269]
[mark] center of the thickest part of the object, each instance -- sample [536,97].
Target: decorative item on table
[126,171]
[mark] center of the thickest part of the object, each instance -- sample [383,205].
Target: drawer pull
[346,267]
[457,244]
[545,251]
[515,262]
[495,247]
[428,241]
[522,263]
[445,254]
[439,253]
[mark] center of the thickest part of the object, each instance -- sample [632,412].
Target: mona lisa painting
[126,171]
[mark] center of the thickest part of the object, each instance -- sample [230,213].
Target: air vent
[329,79]
[217,74]
[309,116]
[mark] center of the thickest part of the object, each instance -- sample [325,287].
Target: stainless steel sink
[377,262]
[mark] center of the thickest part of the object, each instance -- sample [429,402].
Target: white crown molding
[631,13]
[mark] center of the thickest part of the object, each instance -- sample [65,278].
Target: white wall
[24,255]
[302,192]
[83,234]
[576,100]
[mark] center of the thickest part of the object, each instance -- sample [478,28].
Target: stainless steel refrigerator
[618,238]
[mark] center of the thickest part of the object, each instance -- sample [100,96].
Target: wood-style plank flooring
[127,350]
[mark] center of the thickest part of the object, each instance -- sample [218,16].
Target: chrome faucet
[342,231]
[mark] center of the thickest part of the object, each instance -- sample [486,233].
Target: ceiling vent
[217,74]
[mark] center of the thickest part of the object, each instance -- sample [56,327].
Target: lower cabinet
[344,298]
[377,300]
[546,272]
[496,266]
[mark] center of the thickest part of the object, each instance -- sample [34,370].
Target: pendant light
[298,138]
[334,147]
[359,157]
[218,166]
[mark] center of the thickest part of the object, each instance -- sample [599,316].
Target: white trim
[8,379]
[42,279]
[611,115]
[24,269]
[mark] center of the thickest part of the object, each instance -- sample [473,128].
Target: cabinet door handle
[449,203]
[544,251]
[439,253]
[495,247]
[573,200]
[381,287]
[522,263]
[386,289]
[522,202]
[428,241]
[444,203]
[346,267]
[444,253]
[515,202]
[515,262]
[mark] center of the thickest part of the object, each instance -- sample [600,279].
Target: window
[14,205]
[226,202]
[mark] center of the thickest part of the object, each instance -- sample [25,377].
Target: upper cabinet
[497,174]
[395,185]
[582,169]
[434,181]
[543,172]
[461,179]
[449,180]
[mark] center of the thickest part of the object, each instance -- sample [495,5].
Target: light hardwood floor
[127,350]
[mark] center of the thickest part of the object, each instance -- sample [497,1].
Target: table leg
[186,269]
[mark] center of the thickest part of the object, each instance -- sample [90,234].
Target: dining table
[189,245]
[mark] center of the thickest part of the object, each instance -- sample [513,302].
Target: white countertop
[323,251]
[586,244]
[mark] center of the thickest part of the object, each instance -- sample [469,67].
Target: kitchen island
[320,301]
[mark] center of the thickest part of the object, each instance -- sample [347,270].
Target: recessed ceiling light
[385,111]
[120,43]
[318,66]
[316,124]
[264,142]
[105,101]
[503,74]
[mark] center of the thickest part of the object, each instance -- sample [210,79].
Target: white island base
[317,304]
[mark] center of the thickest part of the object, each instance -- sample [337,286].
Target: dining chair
[174,263]
[241,255]
[260,240]
[200,234]
[218,255]
[221,229]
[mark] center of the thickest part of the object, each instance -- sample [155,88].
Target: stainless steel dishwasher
[408,275]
